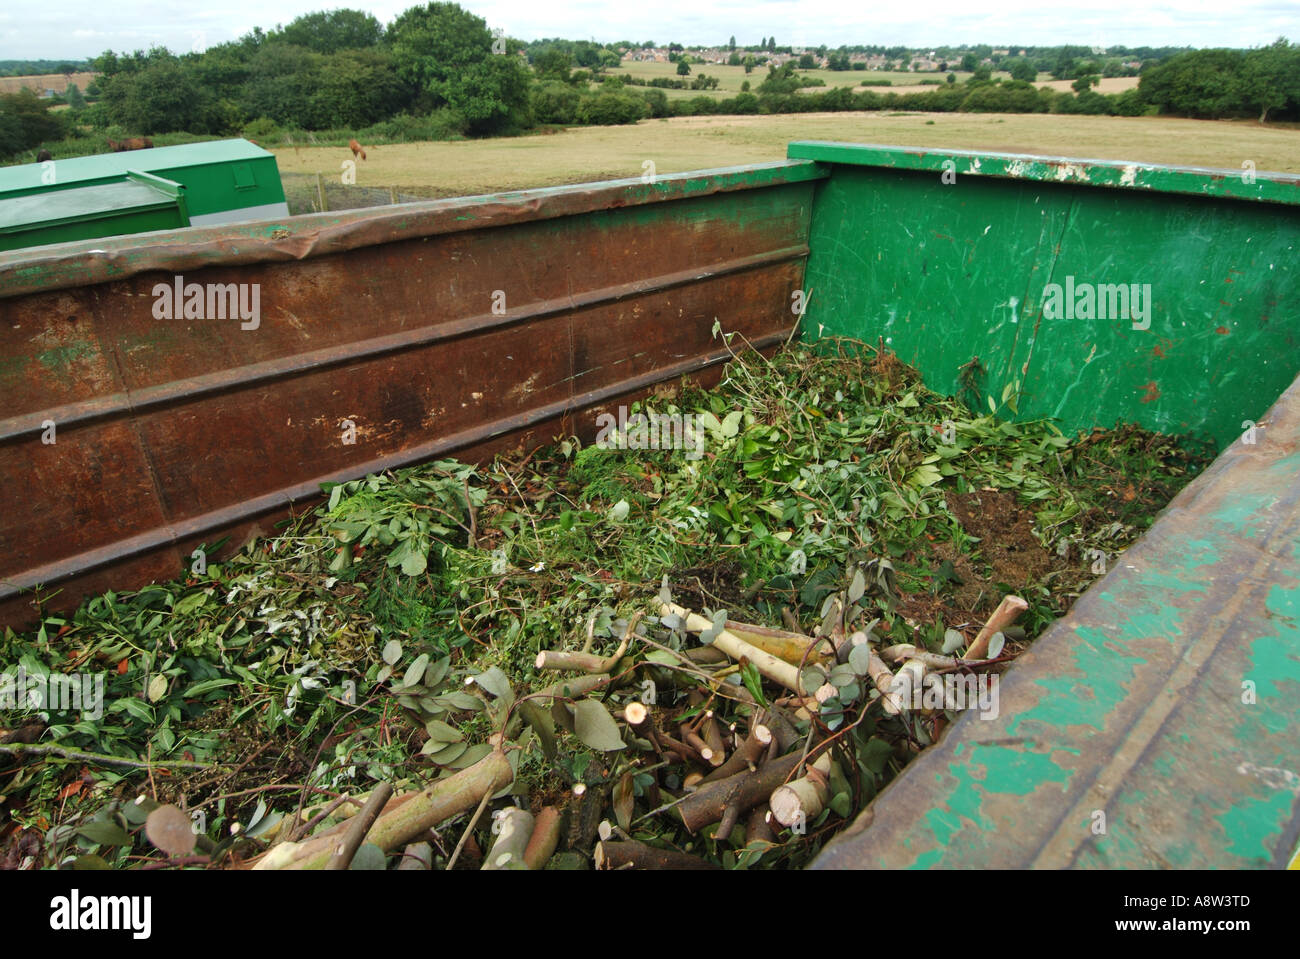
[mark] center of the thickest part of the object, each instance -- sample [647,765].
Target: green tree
[731,44]
[73,95]
[1200,83]
[332,30]
[1021,69]
[445,52]
[734,60]
[1271,78]
[1085,83]
[749,64]
[807,61]
[683,68]
[969,63]
[156,93]
[26,122]
[553,65]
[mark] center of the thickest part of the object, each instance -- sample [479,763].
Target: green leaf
[415,672]
[469,757]
[415,562]
[593,724]
[157,688]
[543,725]
[106,833]
[440,731]
[996,642]
[392,652]
[753,681]
[952,641]
[206,686]
[496,683]
[860,658]
[369,858]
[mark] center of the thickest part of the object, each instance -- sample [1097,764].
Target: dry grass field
[581,154]
[45,81]
[730,79]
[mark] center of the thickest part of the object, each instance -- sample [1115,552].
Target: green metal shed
[225,181]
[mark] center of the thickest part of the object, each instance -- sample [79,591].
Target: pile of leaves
[380,637]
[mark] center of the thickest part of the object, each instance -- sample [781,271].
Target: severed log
[418,812]
[700,746]
[513,828]
[803,800]
[581,662]
[1008,612]
[747,756]
[545,838]
[745,790]
[759,827]
[905,651]
[358,826]
[631,854]
[774,668]
[782,643]
[881,676]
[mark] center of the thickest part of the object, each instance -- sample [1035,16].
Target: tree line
[438,72]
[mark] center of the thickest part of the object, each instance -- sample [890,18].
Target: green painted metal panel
[135,205]
[948,268]
[219,175]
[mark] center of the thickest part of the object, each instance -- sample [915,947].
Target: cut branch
[1008,611]
[358,826]
[418,812]
[545,838]
[746,790]
[514,827]
[774,668]
[637,855]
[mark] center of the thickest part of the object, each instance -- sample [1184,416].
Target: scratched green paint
[947,272]
[1251,825]
[1087,695]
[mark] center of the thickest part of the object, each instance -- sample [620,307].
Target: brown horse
[357,149]
[131,143]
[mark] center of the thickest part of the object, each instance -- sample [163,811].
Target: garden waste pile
[582,656]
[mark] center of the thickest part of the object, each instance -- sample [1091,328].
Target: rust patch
[1152,392]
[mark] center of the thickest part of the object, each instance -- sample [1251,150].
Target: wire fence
[315,193]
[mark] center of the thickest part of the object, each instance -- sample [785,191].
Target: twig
[304,829]
[358,828]
[469,828]
[64,753]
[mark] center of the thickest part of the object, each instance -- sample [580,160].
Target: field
[45,81]
[730,79]
[580,154]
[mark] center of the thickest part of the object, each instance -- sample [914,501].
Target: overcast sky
[75,29]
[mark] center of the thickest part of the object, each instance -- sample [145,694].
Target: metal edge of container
[318,234]
[1244,184]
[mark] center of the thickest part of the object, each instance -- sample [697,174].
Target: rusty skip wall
[454,327]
